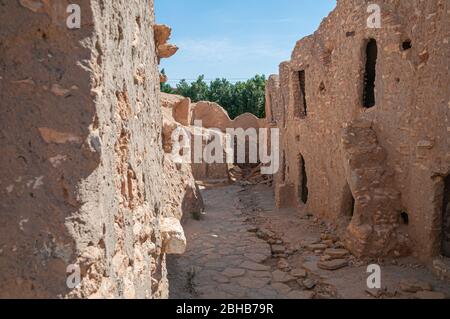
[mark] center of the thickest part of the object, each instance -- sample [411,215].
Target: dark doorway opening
[302,186]
[352,206]
[446,218]
[370,74]
[348,204]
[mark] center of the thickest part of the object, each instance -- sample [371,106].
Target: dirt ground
[242,247]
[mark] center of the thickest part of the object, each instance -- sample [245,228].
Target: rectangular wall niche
[370,74]
[299,88]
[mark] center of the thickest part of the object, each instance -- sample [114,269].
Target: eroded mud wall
[81,164]
[389,189]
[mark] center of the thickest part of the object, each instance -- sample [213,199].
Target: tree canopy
[237,98]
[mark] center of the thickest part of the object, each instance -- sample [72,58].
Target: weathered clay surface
[162,34]
[82,171]
[205,121]
[245,247]
[174,241]
[380,173]
[181,194]
[212,115]
[87,177]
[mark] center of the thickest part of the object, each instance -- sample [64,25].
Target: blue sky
[235,39]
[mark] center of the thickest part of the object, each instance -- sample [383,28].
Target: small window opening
[406,45]
[404,218]
[322,88]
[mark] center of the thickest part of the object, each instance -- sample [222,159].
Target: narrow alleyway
[242,247]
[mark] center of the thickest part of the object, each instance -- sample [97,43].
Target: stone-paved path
[245,248]
[224,259]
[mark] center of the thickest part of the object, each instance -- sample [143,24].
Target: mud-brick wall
[396,193]
[81,154]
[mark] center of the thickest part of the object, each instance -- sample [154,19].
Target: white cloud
[220,50]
